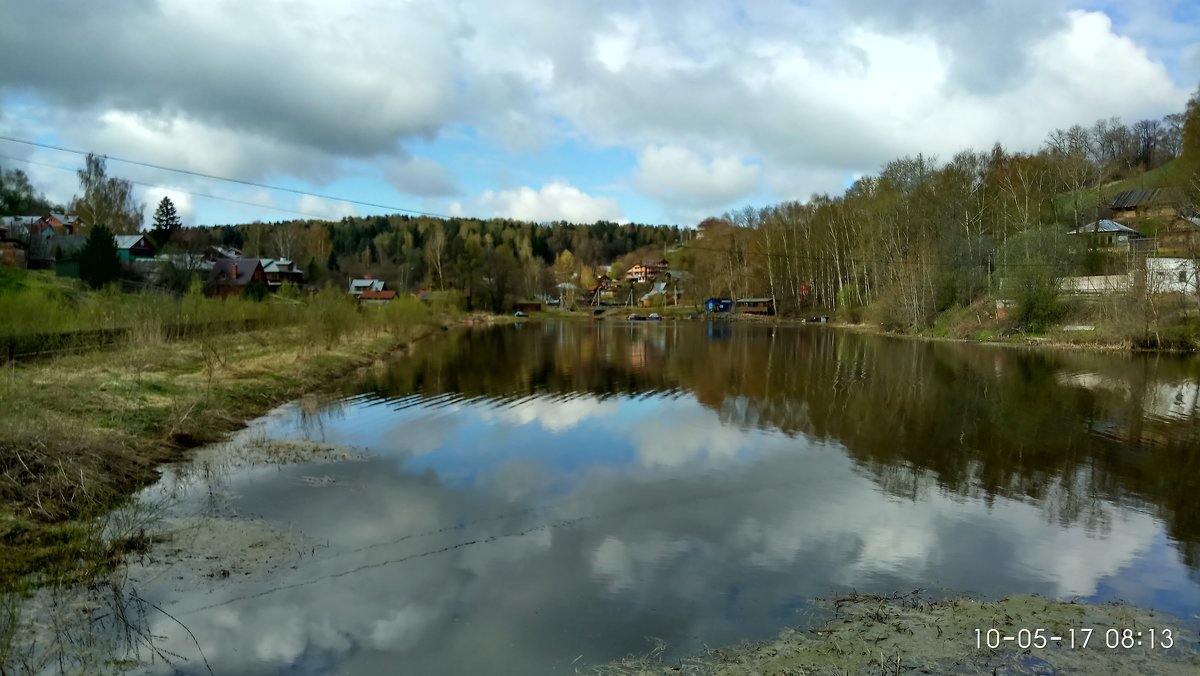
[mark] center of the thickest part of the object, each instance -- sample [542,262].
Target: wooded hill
[925,236]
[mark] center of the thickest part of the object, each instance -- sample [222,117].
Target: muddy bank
[867,634]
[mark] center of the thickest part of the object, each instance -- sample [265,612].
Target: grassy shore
[80,433]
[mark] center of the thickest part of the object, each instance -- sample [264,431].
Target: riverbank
[910,633]
[81,433]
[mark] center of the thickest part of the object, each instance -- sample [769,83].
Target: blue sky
[658,112]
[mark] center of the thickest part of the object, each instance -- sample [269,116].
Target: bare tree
[1171,144]
[435,250]
[106,200]
[1147,134]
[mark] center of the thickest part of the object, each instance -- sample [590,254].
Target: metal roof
[1104,225]
[127,241]
[245,270]
[1130,199]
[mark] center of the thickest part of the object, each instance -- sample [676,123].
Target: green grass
[1159,177]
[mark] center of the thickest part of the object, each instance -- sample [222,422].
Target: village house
[1131,206]
[233,276]
[131,247]
[1181,235]
[641,273]
[1106,233]
[663,293]
[638,272]
[280,270]
[755,306]
[216,253]
[14,240]
[62,224]
[363,284]
[372,297]
[1173,275]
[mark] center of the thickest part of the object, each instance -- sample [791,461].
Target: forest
[924,237]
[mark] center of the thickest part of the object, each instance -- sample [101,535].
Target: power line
[238,181]
[186,192]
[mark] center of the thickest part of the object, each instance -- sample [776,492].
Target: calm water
[543,497]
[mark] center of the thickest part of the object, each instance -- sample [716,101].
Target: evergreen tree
[98,261]
[166,222]
[332,264]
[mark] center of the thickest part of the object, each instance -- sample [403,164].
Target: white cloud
[555,414]
[151,196]
[809,92]
[555,201]
[326,209]
[680,177]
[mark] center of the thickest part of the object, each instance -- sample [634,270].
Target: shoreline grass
[80,433]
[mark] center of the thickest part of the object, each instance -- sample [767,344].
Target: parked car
[519,313]
[655,317]
[636,318]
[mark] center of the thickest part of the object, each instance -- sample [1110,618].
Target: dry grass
[80,433]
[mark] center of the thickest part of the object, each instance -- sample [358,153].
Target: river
[542,497]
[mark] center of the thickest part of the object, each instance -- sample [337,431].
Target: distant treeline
[497,259]
[924,236]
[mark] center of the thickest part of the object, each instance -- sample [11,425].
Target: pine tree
[166,222]
[332,264]
[98,261]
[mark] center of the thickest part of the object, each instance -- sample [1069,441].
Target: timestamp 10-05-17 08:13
[1077,637]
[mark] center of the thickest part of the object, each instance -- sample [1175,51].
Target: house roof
[367,284]
[226,251]
[61,217]
[1130,199]
[128,241]
[1104,225]
[245,270]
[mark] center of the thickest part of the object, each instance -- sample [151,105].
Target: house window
[1183,277]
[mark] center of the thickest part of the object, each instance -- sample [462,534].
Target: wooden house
[1181,235]
[130,247]
[527,306]
[372,297]
[233,276]
[638,272]
[755,306]
[280,270]
[62,224]
[1133,205]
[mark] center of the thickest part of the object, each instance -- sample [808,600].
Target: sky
[664,111]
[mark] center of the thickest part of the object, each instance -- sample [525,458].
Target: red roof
[378,295]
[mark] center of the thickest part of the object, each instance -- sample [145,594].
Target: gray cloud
[826,88]
[304,76]
[986,42]
[423,177]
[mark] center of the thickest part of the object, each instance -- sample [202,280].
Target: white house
[1173,275]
